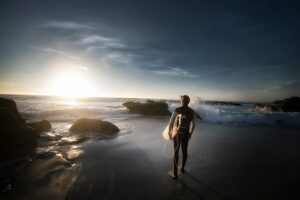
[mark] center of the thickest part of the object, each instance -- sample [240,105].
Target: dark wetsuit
[183,136]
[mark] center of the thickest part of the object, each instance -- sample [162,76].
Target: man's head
[185,100]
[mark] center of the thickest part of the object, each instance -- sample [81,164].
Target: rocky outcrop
[148,108]
[223,103]
[16,136]
[12,106]
[41,126]
[291,104]
[94,125]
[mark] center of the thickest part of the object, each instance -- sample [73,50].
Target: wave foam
[230,114]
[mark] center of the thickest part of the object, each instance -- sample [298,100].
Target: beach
[225,161]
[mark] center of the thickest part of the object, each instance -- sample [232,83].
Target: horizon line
[85,97]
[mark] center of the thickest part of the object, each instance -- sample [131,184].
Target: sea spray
[238,115]
[60,110]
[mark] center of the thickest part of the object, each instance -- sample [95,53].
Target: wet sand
[225,162]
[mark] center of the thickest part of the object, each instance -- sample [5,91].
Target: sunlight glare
[72,85]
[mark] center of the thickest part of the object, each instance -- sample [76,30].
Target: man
[184,118]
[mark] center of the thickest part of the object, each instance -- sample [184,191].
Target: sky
[216,50]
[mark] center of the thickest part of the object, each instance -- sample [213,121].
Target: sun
[72,85]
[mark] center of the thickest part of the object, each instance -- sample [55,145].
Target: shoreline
[225,162]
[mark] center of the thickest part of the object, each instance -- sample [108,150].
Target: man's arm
[171,123]
[193,125]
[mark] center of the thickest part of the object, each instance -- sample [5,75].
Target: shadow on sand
[200,188]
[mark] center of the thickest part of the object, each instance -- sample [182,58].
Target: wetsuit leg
[177,142]
[184,148]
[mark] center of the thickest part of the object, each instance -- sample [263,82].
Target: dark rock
[223,103]
[41,126]
[94,125]
[11,105]
[148,108]
[15,138]
[291,104]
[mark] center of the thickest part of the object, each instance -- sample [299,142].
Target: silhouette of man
[184,118]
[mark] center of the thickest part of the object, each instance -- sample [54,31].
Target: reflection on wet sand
[72,139]
[53,178]
[51,172]
[53,169]
[74,153]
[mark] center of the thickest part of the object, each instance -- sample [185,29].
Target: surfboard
[166,135]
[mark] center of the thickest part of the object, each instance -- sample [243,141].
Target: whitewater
[64,110]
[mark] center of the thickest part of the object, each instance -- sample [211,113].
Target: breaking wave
[244,114]
[60,111]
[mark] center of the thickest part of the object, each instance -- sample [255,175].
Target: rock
[223,103]
[148,108]
[41,126]
[291,104]
[12,106]
[94,125]
[15,139]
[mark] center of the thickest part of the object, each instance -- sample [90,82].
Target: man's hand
[190,135]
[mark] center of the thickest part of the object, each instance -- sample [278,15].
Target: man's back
[187,116]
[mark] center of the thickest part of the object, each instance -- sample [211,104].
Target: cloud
[59,52]
[115,50]
[56,52]
[174,71]
[90,39]
[120,58]
[283,86]
[67,25]
[99,41]
[291,82]
[85,34]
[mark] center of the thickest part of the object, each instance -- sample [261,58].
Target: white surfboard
[174,129]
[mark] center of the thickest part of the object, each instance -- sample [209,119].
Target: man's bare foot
[172,175]
[182,170]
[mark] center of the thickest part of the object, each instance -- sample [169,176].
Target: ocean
[61,111]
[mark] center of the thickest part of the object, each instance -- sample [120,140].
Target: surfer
[183,118]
